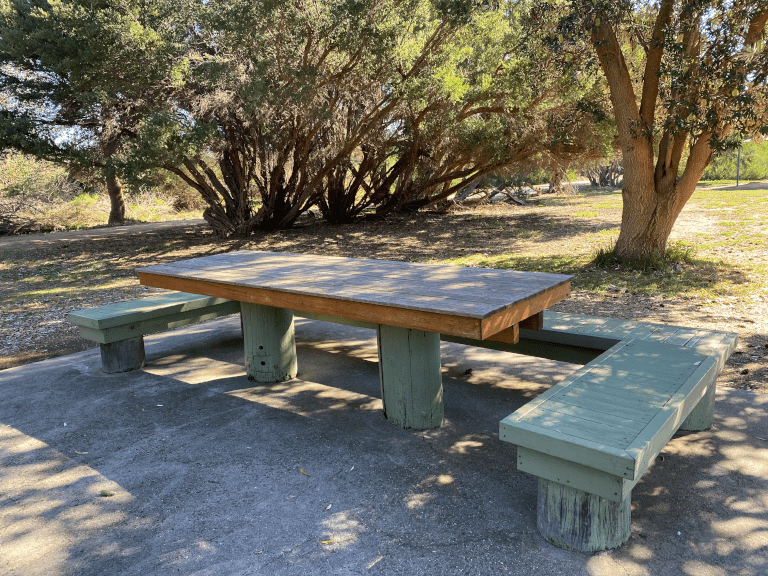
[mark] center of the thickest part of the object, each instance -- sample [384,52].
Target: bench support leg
[411,385]
[576,520]
[270,344]
[703,415]
[122,356]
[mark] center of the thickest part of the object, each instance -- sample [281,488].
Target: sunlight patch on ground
[194,370]
[309,399]
[341,530]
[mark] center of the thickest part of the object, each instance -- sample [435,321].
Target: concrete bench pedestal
[122,356]
[577,520]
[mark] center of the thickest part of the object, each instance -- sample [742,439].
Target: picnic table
[411,305]
[590,438]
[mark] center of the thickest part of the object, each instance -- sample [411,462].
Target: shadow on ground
[187,467]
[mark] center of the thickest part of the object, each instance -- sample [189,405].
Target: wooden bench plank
[679,337]
[548,418]
[680,362]
[597,455]
[633,394]
[154,325]
[122,313]
[658,432]
[706,340]
[572,323]
[633,330]
[569,473]
[633,409]
[593,414]
[120,328]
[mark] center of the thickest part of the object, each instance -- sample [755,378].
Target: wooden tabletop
[468,302]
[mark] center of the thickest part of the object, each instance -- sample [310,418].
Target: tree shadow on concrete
[211,473]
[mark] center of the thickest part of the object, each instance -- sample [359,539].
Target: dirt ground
[45,277]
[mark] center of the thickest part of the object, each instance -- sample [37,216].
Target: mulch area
[39,286]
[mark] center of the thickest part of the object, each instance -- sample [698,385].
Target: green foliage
[84,200]
[754,163]
[39,195]
[267,108]
[28,179]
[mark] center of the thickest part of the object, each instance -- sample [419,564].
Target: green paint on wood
[411,384]
[270,343]
[575,520]
[597,455]
[703,415]
[143,309]
[575,475]
[152,324]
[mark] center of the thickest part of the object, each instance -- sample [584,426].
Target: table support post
[411,385]
[270,344]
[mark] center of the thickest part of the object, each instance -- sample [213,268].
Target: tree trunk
[654,192]
[115,191]
[651,205]
[646,220]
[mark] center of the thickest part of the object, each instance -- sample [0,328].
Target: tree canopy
[267,108]
[686,78]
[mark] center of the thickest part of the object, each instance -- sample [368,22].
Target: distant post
[738,159]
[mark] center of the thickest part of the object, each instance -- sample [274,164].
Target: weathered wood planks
[465,302]
[591,437]
[269,342]
[411,383]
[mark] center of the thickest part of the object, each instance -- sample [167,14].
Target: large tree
[269,107]
[73,77]
[686,78]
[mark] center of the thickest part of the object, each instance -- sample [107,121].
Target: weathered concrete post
[270,343]
[411,384]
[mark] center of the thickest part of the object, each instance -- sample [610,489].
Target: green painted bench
[120,328]
[591,437]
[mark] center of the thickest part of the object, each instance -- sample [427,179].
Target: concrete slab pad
[186,467]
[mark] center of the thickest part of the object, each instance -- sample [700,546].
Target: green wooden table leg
[703,415]
[576,520]
[411,385]
[270,344]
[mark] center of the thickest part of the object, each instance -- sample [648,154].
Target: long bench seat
[120,328]
[591,437]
